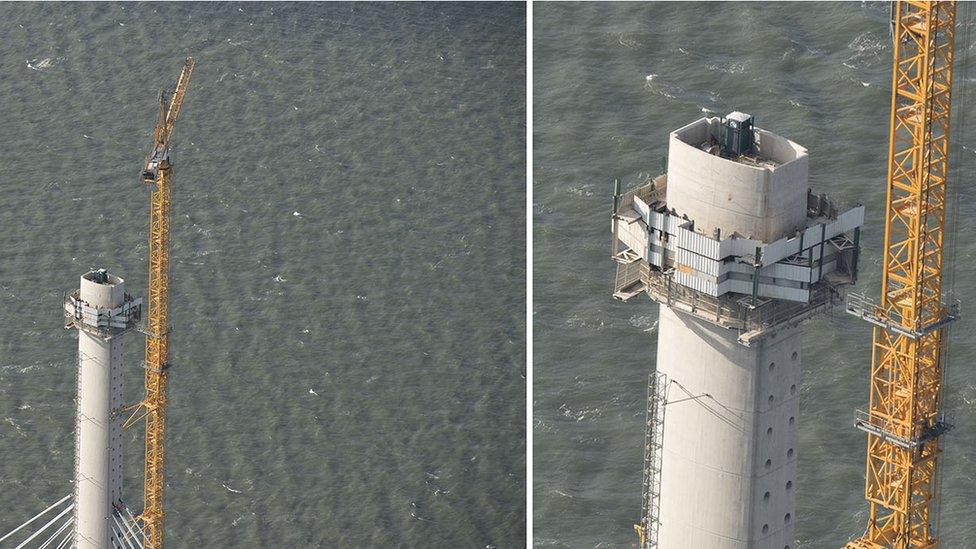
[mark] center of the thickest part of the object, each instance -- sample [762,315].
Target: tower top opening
[102,276]
[737,138]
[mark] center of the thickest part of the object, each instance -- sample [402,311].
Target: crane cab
[156,158]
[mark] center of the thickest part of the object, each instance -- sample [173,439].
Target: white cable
[128,527]
[124,532]
[45,527]
[135,522]
[15,530]
[67,539]
[120,534]
[56,533]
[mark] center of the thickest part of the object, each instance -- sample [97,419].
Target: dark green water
[348,262]
[818,73]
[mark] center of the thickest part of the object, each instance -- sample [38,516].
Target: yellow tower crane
[905,420]
[157,173]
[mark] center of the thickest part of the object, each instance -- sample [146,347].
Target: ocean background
[610,82]
[348,262]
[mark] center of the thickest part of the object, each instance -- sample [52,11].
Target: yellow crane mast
[157,173]
[905,420]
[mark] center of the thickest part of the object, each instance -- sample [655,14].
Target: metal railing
[630,279]
[729,311]
[866,308]
[657,399]
[101,321]
[898,433]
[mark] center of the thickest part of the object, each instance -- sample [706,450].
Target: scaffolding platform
[898,434]
[753,319]
[867,309]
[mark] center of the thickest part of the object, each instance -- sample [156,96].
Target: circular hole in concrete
[795,356]
[787,518]
[789,484]
[789,453]
[769,463]
[766,497]
[769,431]
[792,420]
[772,366]
[765,528]
[771,399]
[793,389]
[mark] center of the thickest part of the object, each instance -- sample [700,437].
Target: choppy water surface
[348,276]
[611,80]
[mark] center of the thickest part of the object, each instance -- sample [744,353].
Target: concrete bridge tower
[102,312]
[738,252]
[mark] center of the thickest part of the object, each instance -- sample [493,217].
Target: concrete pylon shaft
[102,312]
[729,458]
[738,252]
[729,463]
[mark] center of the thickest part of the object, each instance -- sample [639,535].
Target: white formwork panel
[697,262]
[699,244]
[656,220]
[705,286]
[785,271]
[642,208]
[741,246]
[633,235]
[655,254]
[800,295]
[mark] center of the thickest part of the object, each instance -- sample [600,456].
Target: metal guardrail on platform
[752,320]
[900,434]
[862,306]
